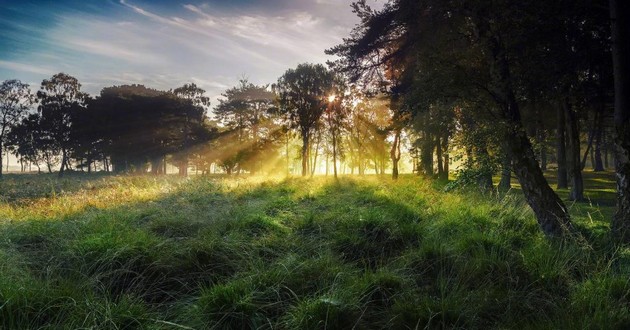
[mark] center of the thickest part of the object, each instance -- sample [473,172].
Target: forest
[457,164]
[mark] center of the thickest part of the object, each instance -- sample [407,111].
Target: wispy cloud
[212,43]
[111,49]
[23,67]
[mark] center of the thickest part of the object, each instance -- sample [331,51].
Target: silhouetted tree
[59,97]
[30,143]
[191,126]
[15,101]
[246,114]
[620,18]
[303,93]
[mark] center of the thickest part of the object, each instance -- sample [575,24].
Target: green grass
[101,252]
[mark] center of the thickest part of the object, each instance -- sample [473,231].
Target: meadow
[149,252]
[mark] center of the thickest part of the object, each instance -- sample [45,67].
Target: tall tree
[59,97]
[303,93]
[482,43]
[29,141]
[193,117]
[246,114]
[141,125]
[334,118]
[620,19]
[15,101]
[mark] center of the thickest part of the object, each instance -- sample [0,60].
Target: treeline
[252,129]
[123,129]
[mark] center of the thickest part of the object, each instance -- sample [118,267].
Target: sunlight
[331,98]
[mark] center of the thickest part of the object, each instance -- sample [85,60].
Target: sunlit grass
[256,252]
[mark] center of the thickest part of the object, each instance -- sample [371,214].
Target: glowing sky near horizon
[164,44]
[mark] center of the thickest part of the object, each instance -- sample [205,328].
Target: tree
[193,118]
[140,125]
[480,46]
[334,117]
[15,101]
[29,143]
[303,93]
[620,19]
[59,97]
[246,113]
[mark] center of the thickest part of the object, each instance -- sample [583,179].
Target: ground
[125,252]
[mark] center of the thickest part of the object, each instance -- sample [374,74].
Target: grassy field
[100,252]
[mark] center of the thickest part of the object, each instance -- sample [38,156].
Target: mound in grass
[366,253]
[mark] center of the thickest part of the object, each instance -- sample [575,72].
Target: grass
[101,252]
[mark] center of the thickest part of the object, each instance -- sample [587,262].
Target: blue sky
[164,44]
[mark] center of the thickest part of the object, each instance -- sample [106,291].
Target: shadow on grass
[293,253]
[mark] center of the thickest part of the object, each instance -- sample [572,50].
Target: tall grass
[232,253]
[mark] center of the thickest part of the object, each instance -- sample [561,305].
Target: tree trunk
[63,162]
[589,144]
[620,19]
[484,181]
[156,165]
[550,211]
[287,147]
[438,155]
[575,166]
[1,148]
[606,154]
[183,166]
[305,153]
[563,181]
[314,164]
[446,158]
[426,154]
[599,164]
[540,140]
[334,136]
[395,154]
[505,183]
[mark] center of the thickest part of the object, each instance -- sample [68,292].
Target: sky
[164,44]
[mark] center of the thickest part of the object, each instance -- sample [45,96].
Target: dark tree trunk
[540,139]
[305,153]
[287,150]
[426,154]
[156,165]
[550,211]
[599,164]
[575,166]
[446,158]
[589,144]
[606,155]
[563,181]
[438,155]
[334,136]
[485,179]
[1,158]
[314,164]
[505,183]
[183,166]
[620,19]
[63,162]
[395,154]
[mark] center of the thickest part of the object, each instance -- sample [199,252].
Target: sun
[331,98]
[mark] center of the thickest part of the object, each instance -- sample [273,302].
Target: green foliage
[161,253]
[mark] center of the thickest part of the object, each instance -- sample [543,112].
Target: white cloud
[197,43]
[23,67]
